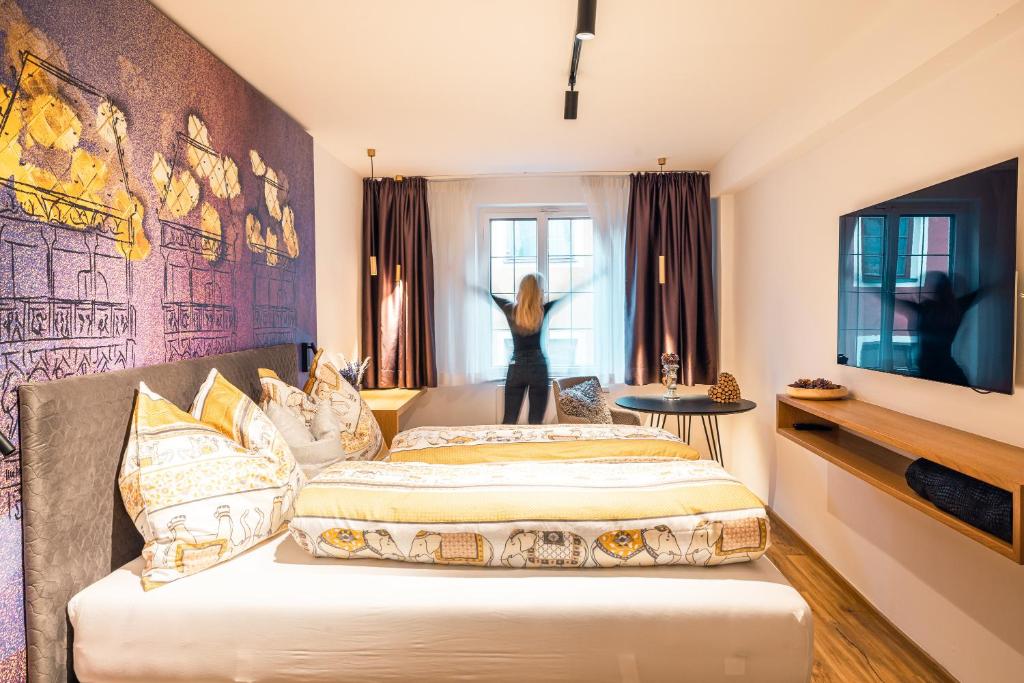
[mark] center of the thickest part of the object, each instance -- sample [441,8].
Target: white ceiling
[475,86]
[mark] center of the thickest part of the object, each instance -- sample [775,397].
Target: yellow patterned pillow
[222,405]
[198,497]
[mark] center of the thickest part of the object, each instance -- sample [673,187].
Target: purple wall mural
[153,206]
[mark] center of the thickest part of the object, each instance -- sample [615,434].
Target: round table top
[684,405]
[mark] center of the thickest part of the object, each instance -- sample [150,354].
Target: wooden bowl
[818,394]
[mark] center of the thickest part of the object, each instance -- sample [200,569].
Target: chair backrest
[557,385]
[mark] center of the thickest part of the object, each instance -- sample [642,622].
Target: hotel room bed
[277,614]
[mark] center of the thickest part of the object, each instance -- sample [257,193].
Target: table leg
[713,437]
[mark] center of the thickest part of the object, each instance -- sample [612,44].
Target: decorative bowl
[818,394]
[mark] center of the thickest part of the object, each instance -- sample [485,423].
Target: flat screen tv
[927,282]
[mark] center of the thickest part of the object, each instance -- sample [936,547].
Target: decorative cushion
[326,384]
[586,401]
[316,456]
[278,391]
[608,512]
[314,447]
[197,496]
[290,424]
[364,441]
[324,425]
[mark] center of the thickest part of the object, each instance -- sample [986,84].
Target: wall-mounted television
[927,282]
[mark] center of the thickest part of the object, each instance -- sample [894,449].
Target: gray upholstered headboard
[76,530]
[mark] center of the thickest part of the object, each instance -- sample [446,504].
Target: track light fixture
[586,16]
[586,19]
[572,102]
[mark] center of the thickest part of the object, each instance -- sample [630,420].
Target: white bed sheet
[277,614]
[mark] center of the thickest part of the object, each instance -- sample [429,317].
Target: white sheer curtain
[607,200]
[462,321]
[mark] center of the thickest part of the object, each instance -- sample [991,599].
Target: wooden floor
[852,641]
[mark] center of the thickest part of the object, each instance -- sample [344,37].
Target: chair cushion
[586,401]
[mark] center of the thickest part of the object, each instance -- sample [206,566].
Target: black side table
[686,408]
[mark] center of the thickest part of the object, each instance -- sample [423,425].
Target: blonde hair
[528,311]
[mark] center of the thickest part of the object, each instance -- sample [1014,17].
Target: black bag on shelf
[976,502]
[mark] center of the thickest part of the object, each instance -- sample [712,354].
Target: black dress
[528,369]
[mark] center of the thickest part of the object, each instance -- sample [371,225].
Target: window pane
[498,320]
[582,310]
[559,271]
[560,317]
[583,274]
[561,348]
[501,347]
[524,267]
[559,237]
[871,267]
[503,277]
[501,238]
[872,228]
[526,238]
[582,236]
[571,348]
[939,235]
[584,347]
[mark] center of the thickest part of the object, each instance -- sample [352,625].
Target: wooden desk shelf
[388,405]
[877,445]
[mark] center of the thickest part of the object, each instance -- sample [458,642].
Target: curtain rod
[541,174]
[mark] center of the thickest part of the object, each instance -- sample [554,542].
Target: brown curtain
[398,302]
[670,215]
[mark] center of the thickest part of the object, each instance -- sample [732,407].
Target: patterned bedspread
[604,512]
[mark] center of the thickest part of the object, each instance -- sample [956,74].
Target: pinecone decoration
[726,390]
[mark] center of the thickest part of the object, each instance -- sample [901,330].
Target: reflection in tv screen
[927,282]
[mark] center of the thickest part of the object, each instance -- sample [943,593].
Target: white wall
[339,210]
[961,602]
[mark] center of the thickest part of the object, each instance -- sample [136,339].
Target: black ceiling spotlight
[572,103]
[586,19]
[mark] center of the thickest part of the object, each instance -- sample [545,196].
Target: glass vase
[670,377]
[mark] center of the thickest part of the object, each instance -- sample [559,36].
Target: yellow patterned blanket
[569,513]
[499,443]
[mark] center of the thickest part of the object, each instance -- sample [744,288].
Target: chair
[619,416]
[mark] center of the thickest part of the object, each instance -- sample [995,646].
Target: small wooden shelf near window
[877,445]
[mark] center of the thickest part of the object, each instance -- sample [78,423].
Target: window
[558,244]
[891,257]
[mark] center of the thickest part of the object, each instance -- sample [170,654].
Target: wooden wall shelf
[877,445]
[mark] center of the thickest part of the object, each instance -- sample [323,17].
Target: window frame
[542,214]
[892,280]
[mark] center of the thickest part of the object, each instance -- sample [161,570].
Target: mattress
[275,613]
